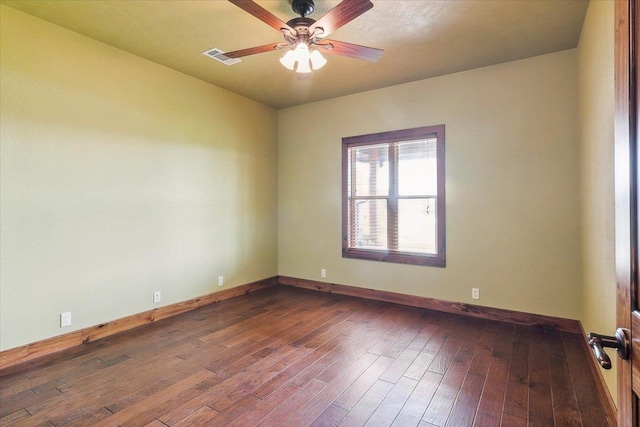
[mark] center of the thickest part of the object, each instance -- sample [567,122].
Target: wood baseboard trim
[27,355]
[603,391]
[517,317]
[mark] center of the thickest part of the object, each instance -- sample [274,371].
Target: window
[393,205]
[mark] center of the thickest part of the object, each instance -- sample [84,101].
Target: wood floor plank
[146,410]
[252,377]
[440,406]
[262,407]
[25,399]
[389,408]
[49,376]
[540,404]
[130,395]
[578,365]
[424,359]
[295,357]
[233,388]
[405,335]
[283,411]
[399,365]
[18,415]
[471,335]
[298,367]
[483,351]
[411,412]
[237,409]
[502,348]
[487,419]
[155,423]
[401,323]
[464,410]
[258,377]
[314,407]
[509,420]
[234,360]
[346,328]
[445,356]
[329,417]
[517,393]
[360,413]
[493,395]
[334,321]
[593,417]
[350,345]
[337,367]
[565,405]
[359,387]
[203,416]
[74,399]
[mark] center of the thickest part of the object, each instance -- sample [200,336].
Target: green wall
[595,65]
[512,185]
[120,177]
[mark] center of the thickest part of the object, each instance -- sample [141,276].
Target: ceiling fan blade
[340,15]
[262,14]
[351,50]
[253,50]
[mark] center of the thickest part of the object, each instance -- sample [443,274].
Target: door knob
[619,341]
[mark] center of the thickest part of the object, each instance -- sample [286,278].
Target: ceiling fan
[304,37]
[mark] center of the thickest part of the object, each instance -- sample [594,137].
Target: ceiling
[420,38]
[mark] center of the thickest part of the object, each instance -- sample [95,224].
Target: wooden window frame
[435,260]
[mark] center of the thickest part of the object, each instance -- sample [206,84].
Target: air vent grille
[218,55]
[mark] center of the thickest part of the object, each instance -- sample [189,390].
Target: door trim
[625,188]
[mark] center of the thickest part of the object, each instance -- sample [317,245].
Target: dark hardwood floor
[293,357]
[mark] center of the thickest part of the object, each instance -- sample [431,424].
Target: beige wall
[513,208]
[595,65]
[120,177]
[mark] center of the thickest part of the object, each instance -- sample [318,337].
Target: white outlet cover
[220,280]
[157,296]
[65,319]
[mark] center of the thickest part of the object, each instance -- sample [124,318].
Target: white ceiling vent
[218,55]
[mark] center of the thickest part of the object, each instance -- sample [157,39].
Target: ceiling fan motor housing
[302,7]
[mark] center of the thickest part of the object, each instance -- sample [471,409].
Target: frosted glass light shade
[303,66]
[288,60]
[317,60]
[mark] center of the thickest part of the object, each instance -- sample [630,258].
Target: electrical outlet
[65,319]
[157,296]
[475,293]
[220,280]
[323,272]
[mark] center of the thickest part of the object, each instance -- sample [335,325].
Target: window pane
[371,170]
[417,231]
[370,225]
[393,194]
[417,168]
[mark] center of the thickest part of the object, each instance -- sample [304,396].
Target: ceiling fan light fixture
[306,61]
[288,60]
[301,52]
[303,67]
[317,60]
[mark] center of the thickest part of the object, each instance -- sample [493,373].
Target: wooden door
[626,192]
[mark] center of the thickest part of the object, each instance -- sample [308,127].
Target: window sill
[395,257]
